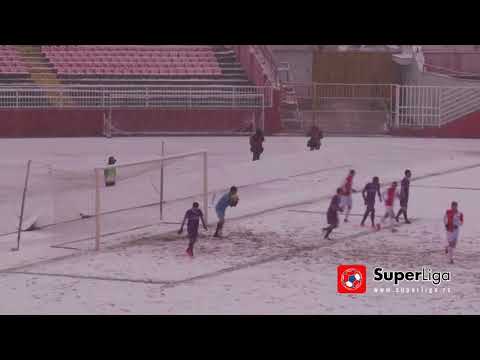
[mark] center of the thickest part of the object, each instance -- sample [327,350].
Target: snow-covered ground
[272,260]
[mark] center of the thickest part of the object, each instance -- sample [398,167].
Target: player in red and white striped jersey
[453,219]
[346,197]
[389,196]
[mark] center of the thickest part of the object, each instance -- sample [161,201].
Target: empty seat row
[119,71]
[132,59]
[136,68]
[9,57]
[132,55]
[143,64]
[157,50]
[125,48]
[15,62]
[13,71]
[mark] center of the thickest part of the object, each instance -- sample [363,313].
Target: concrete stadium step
[42,72]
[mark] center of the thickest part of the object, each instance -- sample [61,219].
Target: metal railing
[458,102]
[314,90]
[85,96]
[272,67]
[417,106]
[258,71]
[434,106]
[328,104]
[404,105]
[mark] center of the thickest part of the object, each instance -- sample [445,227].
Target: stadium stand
[130,90]
[156,65]
[12,67]
[120,65]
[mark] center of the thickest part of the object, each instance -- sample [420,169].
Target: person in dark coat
[316,135]
[256,144]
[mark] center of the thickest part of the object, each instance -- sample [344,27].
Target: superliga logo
[352,279]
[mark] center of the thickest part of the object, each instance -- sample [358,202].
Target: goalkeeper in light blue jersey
[228,199]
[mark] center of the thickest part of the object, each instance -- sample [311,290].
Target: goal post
[180,196]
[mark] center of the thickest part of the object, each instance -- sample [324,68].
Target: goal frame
[99,171]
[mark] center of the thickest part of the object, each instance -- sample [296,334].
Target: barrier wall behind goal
[89,122]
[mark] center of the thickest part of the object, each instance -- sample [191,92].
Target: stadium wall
[465,61]
[89,122]
[412,75]
[353,67]
[300,59]
[50,122]
[465,127]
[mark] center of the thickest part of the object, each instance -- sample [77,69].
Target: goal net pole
[107,123]
[22,207]
[262,126]
[161,181]
[98,180]
[205,187]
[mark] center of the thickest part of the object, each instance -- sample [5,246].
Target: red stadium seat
[142,61]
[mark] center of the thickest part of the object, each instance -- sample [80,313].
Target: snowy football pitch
[273,259]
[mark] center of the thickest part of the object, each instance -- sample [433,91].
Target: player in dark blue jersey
[332,213]
[404,194]
[193,217]
[369,193]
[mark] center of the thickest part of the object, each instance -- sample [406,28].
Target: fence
[270,62]
[434,106]
[136,96]
[403,105]
[258,73]
[343,102]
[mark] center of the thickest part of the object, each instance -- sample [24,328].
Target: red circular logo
[351,279]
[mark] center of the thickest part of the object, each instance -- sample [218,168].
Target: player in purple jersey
[404,194]
[332,213]
[369,194]
[193,216]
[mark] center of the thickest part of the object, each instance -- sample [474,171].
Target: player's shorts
[256,150]
[332,218]
[192,231]
[452,237]
[370,206]
[389,211]
[220,213]
[346,201]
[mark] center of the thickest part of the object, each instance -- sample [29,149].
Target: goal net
[214,112]
[83,208]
